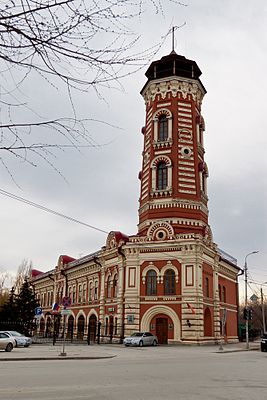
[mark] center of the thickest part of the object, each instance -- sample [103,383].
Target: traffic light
[247,314]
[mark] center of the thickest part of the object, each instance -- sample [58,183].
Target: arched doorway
[207,323]
[148,322]
[80,330]
[70,327]
[92,328]
[162,330]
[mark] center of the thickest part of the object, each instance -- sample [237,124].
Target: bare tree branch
[81,44]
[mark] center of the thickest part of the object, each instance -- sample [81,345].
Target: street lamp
[246,294]
[263,310]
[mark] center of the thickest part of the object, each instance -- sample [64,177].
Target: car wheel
[154,343]
[141,343]
[9,347]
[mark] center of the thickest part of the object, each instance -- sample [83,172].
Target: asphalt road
[158,373]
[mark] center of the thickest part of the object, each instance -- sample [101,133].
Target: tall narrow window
[84,293]
[106,325]
[109,287]
[163,128]
[224,294]
[80,294]
[96,290]
[74,295]
[169,282]
[151,283]
[116,326]
[162,176]
[207,287]
[90,297]
[220,292]
[115,286]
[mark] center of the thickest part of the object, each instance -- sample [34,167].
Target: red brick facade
[169,278]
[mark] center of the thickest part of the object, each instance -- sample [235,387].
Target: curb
[59,357]
[234,351]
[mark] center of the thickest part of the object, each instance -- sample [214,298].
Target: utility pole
[246,295]
[263,312]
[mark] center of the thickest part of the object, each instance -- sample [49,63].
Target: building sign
[130,319]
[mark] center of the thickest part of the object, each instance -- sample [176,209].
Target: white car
[20,340]
[141,339]
[6,342]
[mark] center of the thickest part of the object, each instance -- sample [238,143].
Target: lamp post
[246,294]
[263,310]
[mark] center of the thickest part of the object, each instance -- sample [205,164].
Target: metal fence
[57,330]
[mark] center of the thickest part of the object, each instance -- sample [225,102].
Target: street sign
[38,311]
[66,301]
[65,312]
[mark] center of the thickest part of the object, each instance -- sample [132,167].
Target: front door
[92,328]
[162,330]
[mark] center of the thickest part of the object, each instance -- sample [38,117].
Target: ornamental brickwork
[169,278]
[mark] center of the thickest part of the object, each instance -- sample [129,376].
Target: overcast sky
[228,40]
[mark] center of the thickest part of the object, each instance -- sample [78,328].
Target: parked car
[264,342]
[20,340]
[141,339]
[7,343]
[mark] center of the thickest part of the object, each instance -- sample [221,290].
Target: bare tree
[4,277]
[23,272]
[76,44]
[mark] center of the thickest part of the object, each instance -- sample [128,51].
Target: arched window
[169,282]
[163,128]
[151,283]
[162,176]
[109,287]
[115,286]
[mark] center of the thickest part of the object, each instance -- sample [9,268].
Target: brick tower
[173,196]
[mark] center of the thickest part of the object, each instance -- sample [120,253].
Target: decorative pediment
[116,239]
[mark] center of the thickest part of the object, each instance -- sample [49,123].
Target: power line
[49,210]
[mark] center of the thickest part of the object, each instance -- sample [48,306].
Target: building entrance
[162,330]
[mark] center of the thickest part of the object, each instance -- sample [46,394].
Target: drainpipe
[66,280]
[101,304]
[121,252]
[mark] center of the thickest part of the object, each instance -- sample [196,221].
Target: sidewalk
[241,346]
[38,352]
[49,352]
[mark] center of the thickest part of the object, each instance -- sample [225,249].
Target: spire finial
[173,36]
